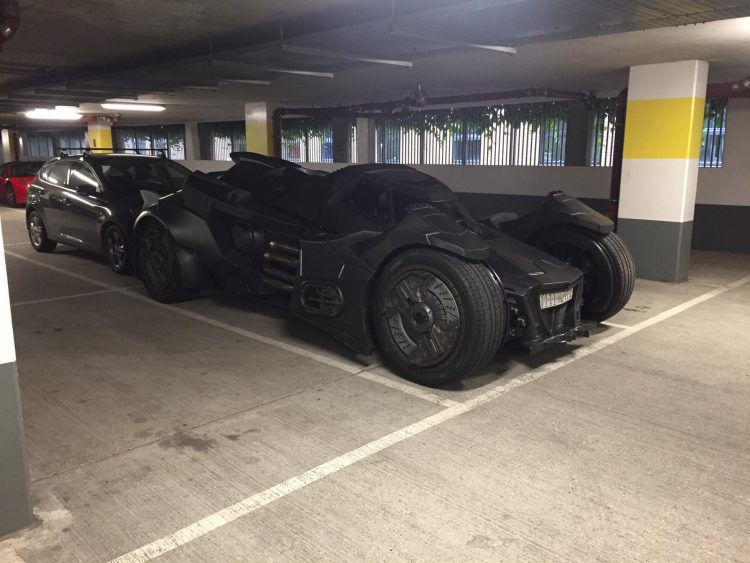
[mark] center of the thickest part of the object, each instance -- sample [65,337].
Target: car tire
[159,267]
[606,262]
[10,196]
[437,318]
[38,233]
[117,249]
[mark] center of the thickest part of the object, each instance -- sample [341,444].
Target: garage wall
[722,213]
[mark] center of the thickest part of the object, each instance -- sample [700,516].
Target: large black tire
[159,267]
[117,249]
[607,265]
[38,233]
[437,318]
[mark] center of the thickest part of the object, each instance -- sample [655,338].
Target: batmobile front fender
[558,209]
[191,266]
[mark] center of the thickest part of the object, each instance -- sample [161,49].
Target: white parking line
[64,297]
[252,503]
[348,367]
[17,243]
[614,325]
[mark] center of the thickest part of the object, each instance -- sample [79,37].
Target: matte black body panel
[558,209]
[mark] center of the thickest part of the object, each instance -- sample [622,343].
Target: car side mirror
[86,189]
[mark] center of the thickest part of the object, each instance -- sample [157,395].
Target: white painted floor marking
[65,297]
[27,243]
[614,325]
[409,388]
[347,367]
[252,503]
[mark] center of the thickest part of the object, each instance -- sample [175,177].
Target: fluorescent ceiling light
[132,107]
[60,113]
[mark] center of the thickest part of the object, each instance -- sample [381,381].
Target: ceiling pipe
[737,89]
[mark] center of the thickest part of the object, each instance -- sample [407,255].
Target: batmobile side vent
[321,298]
[280,264]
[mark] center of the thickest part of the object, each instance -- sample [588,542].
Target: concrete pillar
[15,504]
[6,155]
[259,127]
[365,140]
[663,130]
[577,135]
[342,138]
[192,141]
[100,134]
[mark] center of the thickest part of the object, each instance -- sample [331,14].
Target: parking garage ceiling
[200,58]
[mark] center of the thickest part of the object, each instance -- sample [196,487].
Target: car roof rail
[86,151]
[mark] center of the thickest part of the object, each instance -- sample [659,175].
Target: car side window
[58,173]
[80,175]
[373,201]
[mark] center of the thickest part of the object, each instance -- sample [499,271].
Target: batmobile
[386,256]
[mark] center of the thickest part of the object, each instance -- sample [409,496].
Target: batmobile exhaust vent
[320,298]
[280,264]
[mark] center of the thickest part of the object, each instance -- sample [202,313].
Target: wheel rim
[423,318]
[157,260]
[36,230]
[117,252]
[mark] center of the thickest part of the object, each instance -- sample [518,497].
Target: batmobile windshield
[411,190]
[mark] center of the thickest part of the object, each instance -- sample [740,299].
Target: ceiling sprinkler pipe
[735,89]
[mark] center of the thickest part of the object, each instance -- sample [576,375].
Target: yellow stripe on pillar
[259,127]
[664,128]
[100,137]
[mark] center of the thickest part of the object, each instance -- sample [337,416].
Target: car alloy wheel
[116,249]
[158,259]
[10,196]
[36,231]
[423,318]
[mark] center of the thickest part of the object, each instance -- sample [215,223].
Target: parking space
[220,427]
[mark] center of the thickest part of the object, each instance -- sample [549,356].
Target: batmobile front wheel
[437,318]
[159,267]
[607,265]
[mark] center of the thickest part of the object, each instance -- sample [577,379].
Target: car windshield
[25,169]
[128,175]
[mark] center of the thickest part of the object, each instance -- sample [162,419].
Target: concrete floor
[218,430]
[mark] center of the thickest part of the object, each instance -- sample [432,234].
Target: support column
[663,131]
[259,127]
[7,153]
[365,140]
[577,135]
[100,134]
[342,139]
[15,504]
[192,141]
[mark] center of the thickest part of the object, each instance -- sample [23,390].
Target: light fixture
[132,107]
[60,113]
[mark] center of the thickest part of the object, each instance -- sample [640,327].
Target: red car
[17,176]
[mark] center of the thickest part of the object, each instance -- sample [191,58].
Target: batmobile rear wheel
[607,266]
[159,267]
[437,318]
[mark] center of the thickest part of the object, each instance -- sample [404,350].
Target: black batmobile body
[372,254]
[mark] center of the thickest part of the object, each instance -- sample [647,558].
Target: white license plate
[555,298]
